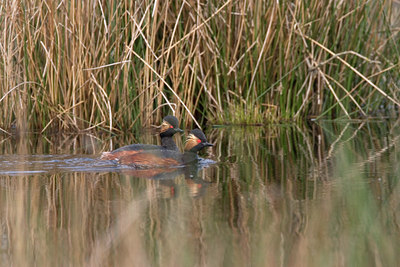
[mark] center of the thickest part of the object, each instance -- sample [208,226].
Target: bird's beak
[207,144]
[178,130]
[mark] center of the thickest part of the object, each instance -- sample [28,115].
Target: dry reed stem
[208,54]
[355,71]
[267,38]
[169,87]
[106,101]
[197,28]
[348,94]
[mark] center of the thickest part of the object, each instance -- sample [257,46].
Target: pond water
[320,194]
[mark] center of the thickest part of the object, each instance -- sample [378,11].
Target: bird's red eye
[171,126]
[198,141]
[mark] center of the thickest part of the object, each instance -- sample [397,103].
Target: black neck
[189,157]
[168,143]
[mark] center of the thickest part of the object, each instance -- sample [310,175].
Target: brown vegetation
[80,65]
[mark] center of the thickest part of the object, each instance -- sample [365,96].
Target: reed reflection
[280,194]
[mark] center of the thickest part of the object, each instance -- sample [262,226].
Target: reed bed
[114,65]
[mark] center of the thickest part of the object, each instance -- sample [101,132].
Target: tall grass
[78,65]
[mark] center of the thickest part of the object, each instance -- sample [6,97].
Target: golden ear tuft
[164,126]
[191,141]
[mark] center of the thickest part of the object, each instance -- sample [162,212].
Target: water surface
[321,194]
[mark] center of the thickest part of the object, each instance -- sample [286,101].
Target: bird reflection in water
[164,181]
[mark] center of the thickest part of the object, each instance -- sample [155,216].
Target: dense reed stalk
[78,65]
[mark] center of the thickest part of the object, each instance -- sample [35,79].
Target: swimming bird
[160,158]
[169,127]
